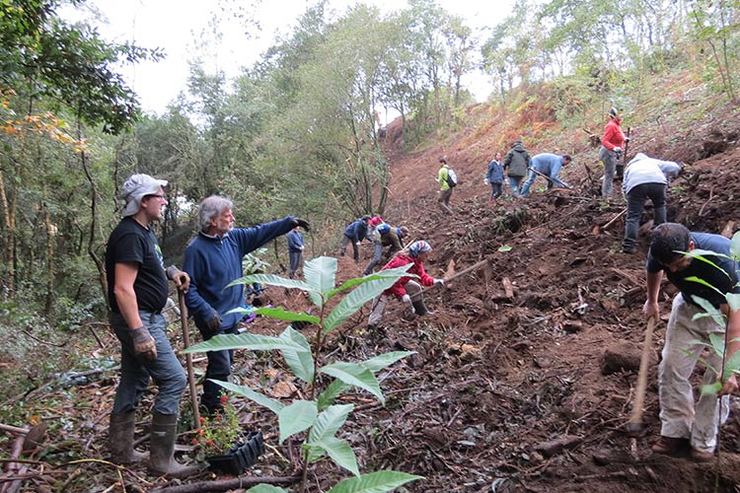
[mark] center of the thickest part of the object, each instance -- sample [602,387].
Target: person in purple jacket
[212,260]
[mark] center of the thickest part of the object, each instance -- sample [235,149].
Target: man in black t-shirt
[137,293]
[685,427]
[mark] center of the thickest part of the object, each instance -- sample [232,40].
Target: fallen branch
[227,484]
[711,196]
[611,221]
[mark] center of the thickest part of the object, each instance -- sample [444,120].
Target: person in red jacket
[406,289]
[611,149]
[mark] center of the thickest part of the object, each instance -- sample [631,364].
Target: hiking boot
[698,455]
[121,439]
[420,308]
[629,250]
[162,447]
[671,446]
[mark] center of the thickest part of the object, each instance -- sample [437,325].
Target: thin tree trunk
[50,235]
[9,223]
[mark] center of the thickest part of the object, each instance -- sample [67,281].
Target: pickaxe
[551,180]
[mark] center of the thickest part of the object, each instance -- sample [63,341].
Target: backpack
[451,178]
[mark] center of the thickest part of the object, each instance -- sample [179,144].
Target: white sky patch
[183,28]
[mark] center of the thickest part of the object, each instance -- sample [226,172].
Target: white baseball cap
[136,188]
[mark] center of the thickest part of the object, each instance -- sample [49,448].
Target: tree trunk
[9,224]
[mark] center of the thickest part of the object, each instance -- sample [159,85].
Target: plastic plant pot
[240,457]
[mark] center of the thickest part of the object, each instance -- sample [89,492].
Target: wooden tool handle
[636,417]
[188,357]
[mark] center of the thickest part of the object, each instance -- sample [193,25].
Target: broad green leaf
[735,246]
[328,422]
[340,452]
[717,341]
[296,418]
[354,374]
[702,256]
[266,488]
[358,297]
[320,274]
[301,364]
[313,452]
[701,281]
[711,389]
[351,283]
[381,361]
[253,342]
[272,280]
[282,314]
[374,482]
[261,399]
[505,248]
[330,394]
[733,299]
[713,312]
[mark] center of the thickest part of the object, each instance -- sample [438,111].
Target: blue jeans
[528,184]
[219,368]
[609,158]
[166,370]
[296,262]
[377,255]
[515,182]
[635,203]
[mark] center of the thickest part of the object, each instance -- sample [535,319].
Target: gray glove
[214,323]
[144,344]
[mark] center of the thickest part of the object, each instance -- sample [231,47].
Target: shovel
[188,357]
[635,427]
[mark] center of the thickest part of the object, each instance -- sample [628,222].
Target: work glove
[617,150]
[626,139]
[144,344]
[358,244]
[406,298]
[214,323]
[439,282]
[302,223]
[180,278]
[485,181]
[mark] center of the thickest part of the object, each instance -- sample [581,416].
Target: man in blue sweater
[213,259]
[354,233]
[547,165]
[295,251]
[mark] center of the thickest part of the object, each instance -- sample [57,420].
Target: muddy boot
[420,308]
[162,447]
[121,439]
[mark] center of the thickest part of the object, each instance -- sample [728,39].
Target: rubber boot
[162,447]
[121,439]
[419,307]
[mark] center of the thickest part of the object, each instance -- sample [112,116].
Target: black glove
[302,223]
[214,323]
[144,344]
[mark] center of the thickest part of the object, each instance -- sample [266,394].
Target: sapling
[317,414]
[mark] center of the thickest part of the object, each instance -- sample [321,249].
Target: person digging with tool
[685,426]
[137,293]
[354,233]
[645,178]
[385,235]
[548,166]
[516,163]
[610,152]
[213,259]
[406,289]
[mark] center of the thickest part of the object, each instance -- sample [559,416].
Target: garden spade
[188,357]
[635,426]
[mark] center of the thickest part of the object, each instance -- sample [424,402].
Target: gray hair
[212,207]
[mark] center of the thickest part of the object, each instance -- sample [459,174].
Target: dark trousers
[296,262]
[635,204]
[496,190]
[346,240]
[219,368]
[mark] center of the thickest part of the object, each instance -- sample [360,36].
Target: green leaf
[359,296]
[329,422]
[701,281]
[253,342]
[716,315]
[505,248]
[381,361]
[354,374]
[266,488]
[374,482]
[330,394]
[320,274]
[733,299]
[250,394]
[296,418]
[351,283]
[711,389]
[272,280]
[702,256]
[340,452]
[282,314]
[717,342]
[301,364]
[735,246]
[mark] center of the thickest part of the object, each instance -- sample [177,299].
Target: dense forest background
[298,132]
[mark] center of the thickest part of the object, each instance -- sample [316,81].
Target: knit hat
[613,112]
[419,247]
[136,188]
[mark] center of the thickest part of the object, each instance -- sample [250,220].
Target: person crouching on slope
[406,289]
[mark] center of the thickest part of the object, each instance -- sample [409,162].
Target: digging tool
[554,182]
[620,167]
[473,267]
[188,357]
[635,426]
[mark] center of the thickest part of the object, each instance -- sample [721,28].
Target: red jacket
[613,136]
[399,288]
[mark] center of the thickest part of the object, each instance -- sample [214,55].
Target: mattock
[635,427]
